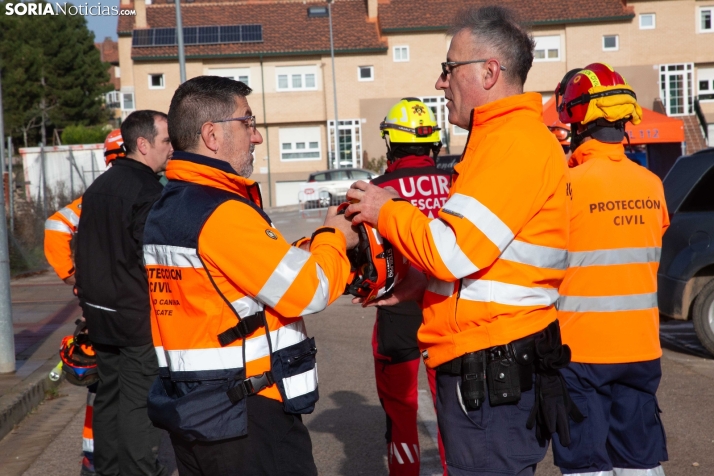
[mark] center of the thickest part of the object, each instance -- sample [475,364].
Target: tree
[52,73]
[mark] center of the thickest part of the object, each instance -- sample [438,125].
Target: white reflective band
[615,256]
[161,356]
[596,473]
[69,214]
[300,384]
[174,256]
[322,294]
[246,306]
[536,255]
[221,358]
[395,451]
[283,276]
[88,445]
[100,307]
[56,225]
[482,218]
[90,398]
[405,447]
[628,302]
[658,471]
[454,259]
[437,286]
[505,293]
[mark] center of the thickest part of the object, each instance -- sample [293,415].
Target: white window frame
[123,101]
[290,72]
[237,74]
[305,138]
[113,97]
[700,12]
[163,81]
[617,43]
[403,48]
[353,129]
[359,73]
[686,72]
[117,72]
[547,43]
[708,75]
[654,21]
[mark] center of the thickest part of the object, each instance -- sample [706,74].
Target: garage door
[286,193]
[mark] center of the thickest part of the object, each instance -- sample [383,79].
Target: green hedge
[85,134]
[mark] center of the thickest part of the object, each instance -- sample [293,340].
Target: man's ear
[491,73]
[142,145]
[209,132]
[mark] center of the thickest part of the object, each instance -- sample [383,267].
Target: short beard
[239,162]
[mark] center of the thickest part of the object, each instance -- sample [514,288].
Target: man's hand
[71,280]
[341,223]
[367,200]
[411,288]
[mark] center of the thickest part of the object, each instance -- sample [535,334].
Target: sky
[102,26]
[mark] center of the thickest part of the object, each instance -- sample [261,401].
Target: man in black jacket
[113,291]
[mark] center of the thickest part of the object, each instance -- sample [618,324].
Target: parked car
[686,271]
[328,187]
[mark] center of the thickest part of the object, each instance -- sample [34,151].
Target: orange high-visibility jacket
[240,265]
[608,305]
[497,252]
[59,230]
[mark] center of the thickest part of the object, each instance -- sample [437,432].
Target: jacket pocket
[295,373]
[197,409]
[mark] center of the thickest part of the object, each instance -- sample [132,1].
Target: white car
[329,187]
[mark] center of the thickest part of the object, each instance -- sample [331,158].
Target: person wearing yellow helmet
[411,134]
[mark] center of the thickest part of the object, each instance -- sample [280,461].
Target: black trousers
[277,444]
[126,443]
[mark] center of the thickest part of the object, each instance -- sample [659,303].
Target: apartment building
[389,49]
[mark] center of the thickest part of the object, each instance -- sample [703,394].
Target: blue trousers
[622,426]
[491,441]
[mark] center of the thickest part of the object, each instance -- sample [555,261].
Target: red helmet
[597,91]
[79,360]
[376,265]
[114,146]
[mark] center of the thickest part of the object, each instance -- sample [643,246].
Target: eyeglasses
[250,119]
[448,66]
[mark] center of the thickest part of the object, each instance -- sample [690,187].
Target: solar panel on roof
[198,35]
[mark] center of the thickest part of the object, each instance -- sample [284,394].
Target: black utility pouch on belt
[473,378]
[504,377]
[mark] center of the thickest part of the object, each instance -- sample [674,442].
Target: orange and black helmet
[114,146]
[79,360]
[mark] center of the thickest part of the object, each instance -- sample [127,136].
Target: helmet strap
[600,130]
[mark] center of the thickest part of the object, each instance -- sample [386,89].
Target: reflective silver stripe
[615,256]
[174,256]
[482,218]
[283,276]
[100,307]
[300,384]
[246,306]
[596,473]
[658,471]
[437,286]
[161,356]
[504,293]
[220,358]
[69,214]
[91,396]
[88,445]
[56,225]
[536,255]
[458,264]
[628,302]
[322,294]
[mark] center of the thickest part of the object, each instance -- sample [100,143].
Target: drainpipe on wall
[267,135]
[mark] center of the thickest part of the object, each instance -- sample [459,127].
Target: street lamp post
[179,37]
[336,161]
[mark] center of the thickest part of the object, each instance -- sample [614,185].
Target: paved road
[348,425]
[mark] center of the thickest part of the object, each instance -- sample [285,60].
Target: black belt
[521,350]
[245,327]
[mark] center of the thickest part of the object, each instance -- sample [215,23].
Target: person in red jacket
[411,134]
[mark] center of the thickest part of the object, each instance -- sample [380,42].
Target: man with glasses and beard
[237,368]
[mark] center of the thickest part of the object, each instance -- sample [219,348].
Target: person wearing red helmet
[608,299]
[60,228]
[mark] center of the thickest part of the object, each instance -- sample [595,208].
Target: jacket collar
[410,161]
[526,103]
[594,149]
[134,164]
[202,170]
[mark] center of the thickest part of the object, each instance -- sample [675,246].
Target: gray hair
[499,28]
[200,100]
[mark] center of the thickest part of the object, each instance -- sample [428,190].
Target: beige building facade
[664,48]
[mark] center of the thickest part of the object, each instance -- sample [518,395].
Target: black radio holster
[473,378]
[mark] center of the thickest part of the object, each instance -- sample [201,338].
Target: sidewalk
[43,310]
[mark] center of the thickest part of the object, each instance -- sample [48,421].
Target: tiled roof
[286,28]
[406,15]
[108,50]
